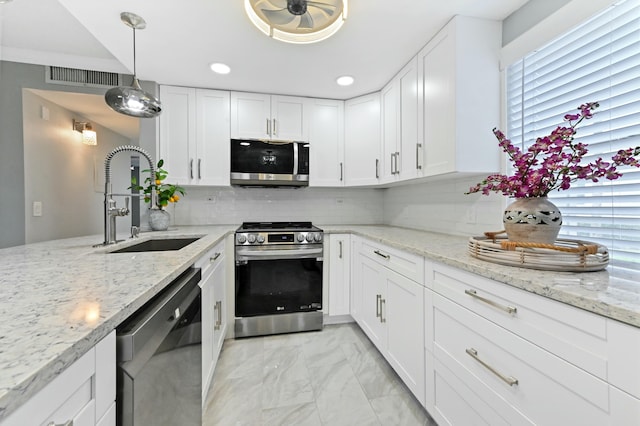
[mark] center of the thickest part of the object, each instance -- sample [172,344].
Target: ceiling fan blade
[278,4]
[327,8]
[306,21]
[278,17]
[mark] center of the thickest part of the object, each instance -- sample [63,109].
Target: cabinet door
[362,140]
[339,274]
[220,307]
[403,311]
[288,118]
[408,166]
[326,140]
[213,134]
[208,321]
[250,116]
[390,112]
[437,105]
[178,132]
[373,320]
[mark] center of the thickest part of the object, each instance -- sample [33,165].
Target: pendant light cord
[134,53]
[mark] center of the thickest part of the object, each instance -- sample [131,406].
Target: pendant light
[132,100]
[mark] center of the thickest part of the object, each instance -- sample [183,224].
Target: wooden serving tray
[565,255]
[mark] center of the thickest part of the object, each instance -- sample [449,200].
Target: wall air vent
[77,77]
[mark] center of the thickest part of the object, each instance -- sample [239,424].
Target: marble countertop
[59,298]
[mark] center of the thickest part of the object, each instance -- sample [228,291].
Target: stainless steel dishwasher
[159,350]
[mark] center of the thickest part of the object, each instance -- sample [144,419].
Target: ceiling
[183,37]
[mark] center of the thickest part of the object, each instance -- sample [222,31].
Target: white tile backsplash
[433,206]
[339,206]
[442,206]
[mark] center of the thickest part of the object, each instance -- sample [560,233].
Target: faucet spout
[110,210]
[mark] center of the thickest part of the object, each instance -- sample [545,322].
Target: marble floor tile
[332,377]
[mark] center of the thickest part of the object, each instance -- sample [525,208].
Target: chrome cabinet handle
[340,252]
[397,163]
[377,163]
[275,132]
[507,379]
[268,127]
[199,169]
[418,146]
[218,309]
[67,423]
[378,306]
[508,309]
[191,168]
[383,302]
[341,172]
[393,155]
[386,256]
[214,258]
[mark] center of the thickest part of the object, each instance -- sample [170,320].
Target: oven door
[274,280]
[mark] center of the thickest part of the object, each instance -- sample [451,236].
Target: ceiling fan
[297,21]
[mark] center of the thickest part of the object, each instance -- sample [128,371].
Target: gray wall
[13,78]
[527,16]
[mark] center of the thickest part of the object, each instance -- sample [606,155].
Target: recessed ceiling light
[345,80]
[220,68]
[4,1]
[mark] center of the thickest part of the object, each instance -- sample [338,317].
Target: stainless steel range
[278,285]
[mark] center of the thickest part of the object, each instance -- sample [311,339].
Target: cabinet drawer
[213,257]
[578,336]
[624,356]
[545,388]
[408,264]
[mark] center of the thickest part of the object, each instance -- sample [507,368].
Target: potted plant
[553,162]
[165,194]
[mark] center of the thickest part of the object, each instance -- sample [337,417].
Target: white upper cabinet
[362,140]
[399,110]
[458,73]
[326,140]
[260,116]
[194,135]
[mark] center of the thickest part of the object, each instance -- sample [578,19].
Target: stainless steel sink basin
[158,245]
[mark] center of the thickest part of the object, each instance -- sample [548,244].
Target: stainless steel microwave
[269,163]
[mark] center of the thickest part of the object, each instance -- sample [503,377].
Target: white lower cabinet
[84,393]
[502,355]
[388,307]
[214,324]
[339,273]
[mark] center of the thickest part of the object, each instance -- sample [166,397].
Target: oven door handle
[252,254]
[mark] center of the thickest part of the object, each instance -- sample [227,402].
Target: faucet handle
[126,203]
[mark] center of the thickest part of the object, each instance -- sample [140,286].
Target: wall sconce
[89,136]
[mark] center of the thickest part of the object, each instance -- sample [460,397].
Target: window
[598,61]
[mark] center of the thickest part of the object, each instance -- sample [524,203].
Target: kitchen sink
[167,244]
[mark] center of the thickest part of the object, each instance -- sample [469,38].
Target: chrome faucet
[111,211]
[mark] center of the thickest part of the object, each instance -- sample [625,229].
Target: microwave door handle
[295,159]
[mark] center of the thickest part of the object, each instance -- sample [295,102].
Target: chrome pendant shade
[132,100]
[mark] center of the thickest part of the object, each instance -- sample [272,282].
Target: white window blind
[598,61]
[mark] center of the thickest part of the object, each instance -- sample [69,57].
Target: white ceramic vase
[159,219]
[532,220]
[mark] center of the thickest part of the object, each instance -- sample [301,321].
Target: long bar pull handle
[377,173]
[214,257]
[386,256]
[397,163]
[418,146]
[378,307]
[191,168]
[67,423]
[268,127]
[341,172]
[383,302]
[199,168]
[507,379]
[275,132]
[340,252]
[393,170]
[218,309]
[508,309]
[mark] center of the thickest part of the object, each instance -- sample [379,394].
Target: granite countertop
[59,298]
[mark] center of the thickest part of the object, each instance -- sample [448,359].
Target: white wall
[66,175]
[442,206]
[319,205]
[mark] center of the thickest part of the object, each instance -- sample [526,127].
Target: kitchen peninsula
[64,296]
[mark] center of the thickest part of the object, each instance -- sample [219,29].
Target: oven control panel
[268,238]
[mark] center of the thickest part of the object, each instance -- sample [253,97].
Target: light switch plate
[37,208]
